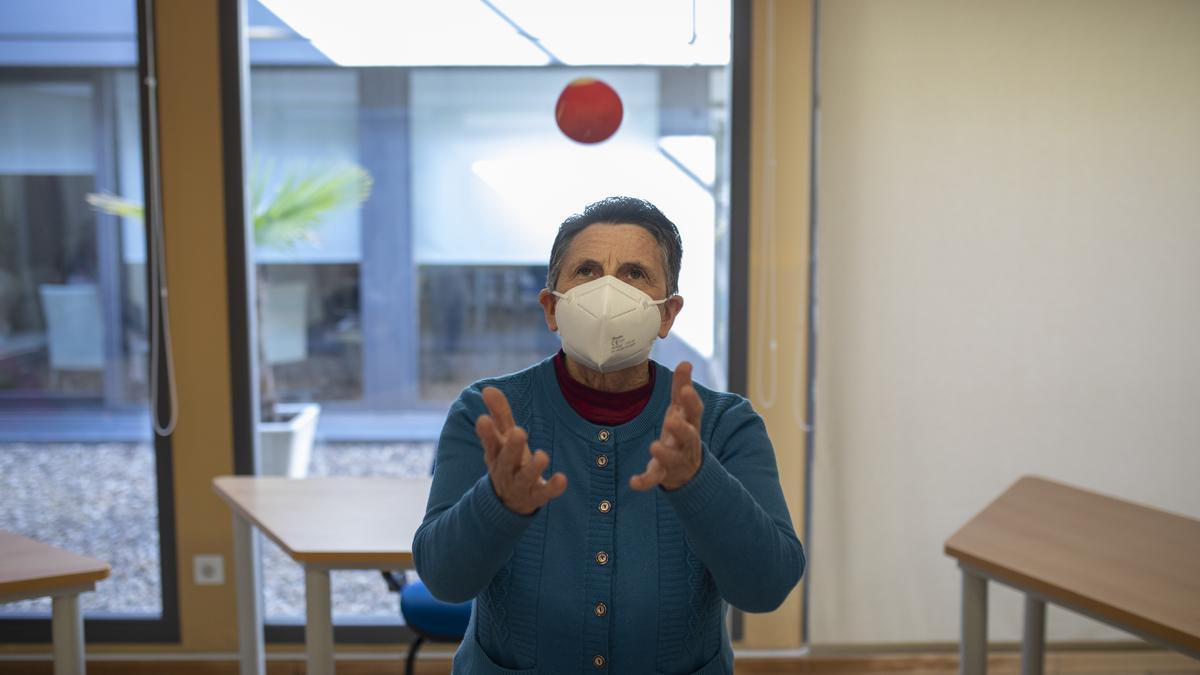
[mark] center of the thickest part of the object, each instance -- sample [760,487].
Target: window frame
[105,626]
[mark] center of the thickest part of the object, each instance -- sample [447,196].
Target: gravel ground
[40,496]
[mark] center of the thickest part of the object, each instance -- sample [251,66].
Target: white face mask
[606,324]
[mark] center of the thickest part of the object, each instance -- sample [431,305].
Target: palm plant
[285,211]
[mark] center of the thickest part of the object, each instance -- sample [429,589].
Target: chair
[74,326]
[431,619]
[285,321]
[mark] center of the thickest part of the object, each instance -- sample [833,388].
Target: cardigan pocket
[502,629]
[506,612]
[691,617]
[715,666]
[490,667]
[479,663]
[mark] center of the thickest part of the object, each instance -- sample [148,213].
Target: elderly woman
[601,509]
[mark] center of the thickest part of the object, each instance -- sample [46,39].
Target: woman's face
[625,251]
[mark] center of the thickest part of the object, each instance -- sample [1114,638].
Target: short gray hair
[617,211]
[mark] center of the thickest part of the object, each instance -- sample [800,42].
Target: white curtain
[1009,247]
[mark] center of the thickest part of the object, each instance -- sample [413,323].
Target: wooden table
[1133,567]
[323,524]
[31,569]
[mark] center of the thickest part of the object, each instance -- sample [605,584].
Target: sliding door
[80,466]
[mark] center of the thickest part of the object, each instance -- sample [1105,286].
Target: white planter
[285,448]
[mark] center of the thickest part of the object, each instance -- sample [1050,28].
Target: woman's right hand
[516,473]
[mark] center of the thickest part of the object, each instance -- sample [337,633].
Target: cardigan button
[601,609]
[601,461]
[604,435]
[605,506]
[602,558]
[598,661]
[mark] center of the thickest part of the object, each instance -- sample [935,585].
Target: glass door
[79,465]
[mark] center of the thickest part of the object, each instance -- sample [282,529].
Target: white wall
[1009,246]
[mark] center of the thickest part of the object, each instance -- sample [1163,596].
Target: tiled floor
[1136,661]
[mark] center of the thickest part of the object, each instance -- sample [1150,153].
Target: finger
[693,407]
[498,406]
[653,475]
[550,489]
[514,453]
[681,378]
[674,411]
[485,429]
[531,473]
[665,455]
[667,437]
[677,431]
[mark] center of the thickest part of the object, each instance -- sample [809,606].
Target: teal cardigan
[605,579]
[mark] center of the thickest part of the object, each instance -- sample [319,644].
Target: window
[378,311]
[74,389]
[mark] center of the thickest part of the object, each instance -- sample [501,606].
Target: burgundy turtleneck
[602,407]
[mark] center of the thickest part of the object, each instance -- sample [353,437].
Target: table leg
[318,629]
[973,650]
[248,577]
[1033,647]
[67,632]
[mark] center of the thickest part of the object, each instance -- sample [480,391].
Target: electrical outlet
[208,570]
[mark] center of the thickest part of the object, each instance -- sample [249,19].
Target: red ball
[588,110]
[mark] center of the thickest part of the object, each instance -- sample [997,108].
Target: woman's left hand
[675,457]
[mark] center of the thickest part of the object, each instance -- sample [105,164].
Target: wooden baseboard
[389,667]
[1073,662]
